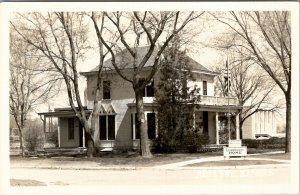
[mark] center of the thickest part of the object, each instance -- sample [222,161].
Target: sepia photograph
[150,98]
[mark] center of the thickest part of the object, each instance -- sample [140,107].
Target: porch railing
[215,100]
[205,100]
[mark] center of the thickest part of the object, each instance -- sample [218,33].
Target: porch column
[217,128]
[237,126]
[83,137]
[194,119]
[44,123]
[58,132]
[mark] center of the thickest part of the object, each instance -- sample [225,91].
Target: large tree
[61,39]
[266,38]
[155,28]
[176,97]
[29,87]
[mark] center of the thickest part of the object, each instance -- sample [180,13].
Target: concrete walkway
[181,165]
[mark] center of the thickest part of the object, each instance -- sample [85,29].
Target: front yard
[133,159]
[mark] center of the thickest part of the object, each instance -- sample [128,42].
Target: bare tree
[152,26]
[61,39]
[28,88]
[266,38]
[251,87]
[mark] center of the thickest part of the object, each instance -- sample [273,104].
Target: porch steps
[212,147]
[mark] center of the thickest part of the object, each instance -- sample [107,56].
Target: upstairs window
[204,87]
[106,90]
[149,89]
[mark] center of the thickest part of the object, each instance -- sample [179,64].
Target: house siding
[65,142]
[261,122]
[122,94]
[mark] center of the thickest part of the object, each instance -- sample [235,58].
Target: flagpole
[228,114]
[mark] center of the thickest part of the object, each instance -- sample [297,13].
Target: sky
[200,50]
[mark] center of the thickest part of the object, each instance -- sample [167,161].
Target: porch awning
[63,112]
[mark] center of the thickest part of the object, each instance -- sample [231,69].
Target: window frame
[204,85]
[107,127]
[106,90]
[135,135]
[149,86]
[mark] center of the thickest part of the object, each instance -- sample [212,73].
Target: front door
[151,125]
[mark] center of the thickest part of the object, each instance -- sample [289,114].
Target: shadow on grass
[26,182]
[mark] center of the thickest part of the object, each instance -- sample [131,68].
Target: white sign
[236,151]
[235,143]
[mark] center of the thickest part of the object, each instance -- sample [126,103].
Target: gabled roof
[125,59]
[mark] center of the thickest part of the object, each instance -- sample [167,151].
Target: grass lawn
[132,158]
[110,159]
[281,156]
[232,163]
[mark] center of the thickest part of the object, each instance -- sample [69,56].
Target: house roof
[125,59]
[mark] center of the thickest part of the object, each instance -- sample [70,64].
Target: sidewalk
[66,164]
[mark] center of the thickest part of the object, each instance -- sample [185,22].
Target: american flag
[227,83]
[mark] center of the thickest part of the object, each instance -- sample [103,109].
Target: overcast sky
[201,50]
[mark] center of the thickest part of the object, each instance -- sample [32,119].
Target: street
[151,176]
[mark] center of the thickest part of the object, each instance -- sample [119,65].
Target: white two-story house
[117,121]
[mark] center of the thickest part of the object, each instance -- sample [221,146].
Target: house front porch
[214,121]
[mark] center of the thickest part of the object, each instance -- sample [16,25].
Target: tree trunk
[241,126]
[21,141]
[90,145]
[89,140]
[145,144]
[288,123]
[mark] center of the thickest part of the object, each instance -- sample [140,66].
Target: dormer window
[106,90]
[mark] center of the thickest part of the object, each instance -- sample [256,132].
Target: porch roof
[63,112]
[145,104]
[219,108]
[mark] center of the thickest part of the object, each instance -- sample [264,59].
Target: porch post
[83,137]
[217,128]
[194,119]
[237,126]
[133,126]
[58,132]
[44,123]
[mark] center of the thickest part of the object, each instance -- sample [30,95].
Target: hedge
[274,142]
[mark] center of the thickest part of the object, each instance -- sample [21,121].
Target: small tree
[253,89]
[28,87]
[176,98]
[34,135]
